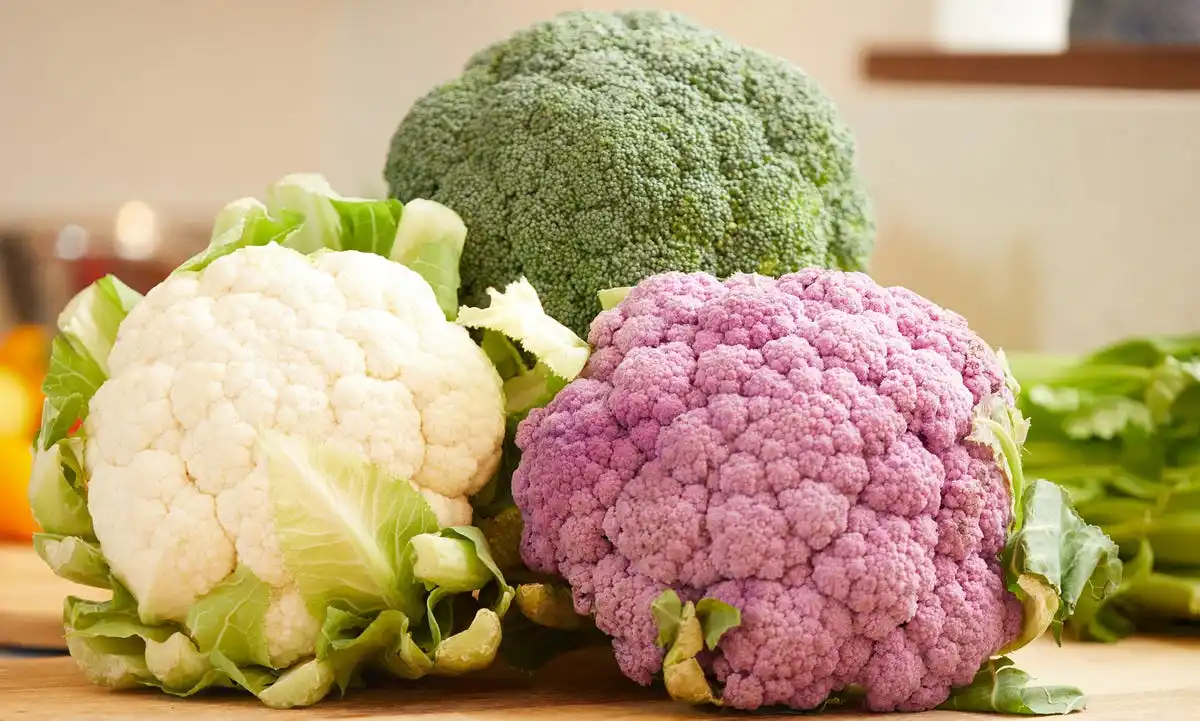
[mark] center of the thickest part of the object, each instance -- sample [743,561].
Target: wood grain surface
[1141,678]
[31,600]
[1138,679]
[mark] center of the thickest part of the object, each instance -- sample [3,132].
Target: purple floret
[796,448]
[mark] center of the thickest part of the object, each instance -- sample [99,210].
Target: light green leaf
[1002,428]
[611,297]
[72,378]
[406,659]
[58,507]
[450,563]
[472,649]
[548,605]
[231,619]
[667,611]
[254,679]
[999,687]
[116,663]
[1108,417]
[518,314]
[178,666]
[90,320]
[1053,560]
[242,224]
[367,226]
[430,241]
[301,685]
[531,389]
[681,633]
[73,558]
[1101,619]
[716,619]
[343,525]
[503,354]
[484,554]
[349,642]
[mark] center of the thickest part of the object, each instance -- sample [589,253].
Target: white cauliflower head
[346,348]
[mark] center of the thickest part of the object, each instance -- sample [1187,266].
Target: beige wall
[1051,219]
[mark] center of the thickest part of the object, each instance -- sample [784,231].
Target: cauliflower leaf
[56,495]
[73,558]
[999,687]
[79,354]
[518,314]
[684,630]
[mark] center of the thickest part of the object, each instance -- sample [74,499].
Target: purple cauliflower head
[797,448]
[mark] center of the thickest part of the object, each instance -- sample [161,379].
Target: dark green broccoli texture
[595,149]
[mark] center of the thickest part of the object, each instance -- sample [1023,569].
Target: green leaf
[611,297]
[518,314]
[1053,560]
[680,631]
[531,389]
[116,663]
[242,224]
[58,506]
[254,679]
[307,196]
[343,525]
[1001,427]
[301,685]
[349,642]
[470,650]
[549,605]
[503,533]
[73,558]
[465,565]
[450,563]
[1102,620]
[231,619]
[716,619]
[503,354]
[72,378]
[430,241]
[90,320]
[667,611]
[1108,418]
[179,668]
[999,687]
[368,226]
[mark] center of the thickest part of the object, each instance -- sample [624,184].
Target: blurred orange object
[16,463]
[26,349]
[20,407]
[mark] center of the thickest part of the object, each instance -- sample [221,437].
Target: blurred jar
[1135,22]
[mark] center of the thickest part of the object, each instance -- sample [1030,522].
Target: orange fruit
[16,463]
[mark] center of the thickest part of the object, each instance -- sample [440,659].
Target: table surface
[1141,678]
[31,600]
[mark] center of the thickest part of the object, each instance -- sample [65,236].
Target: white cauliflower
[269,459]
[347,348]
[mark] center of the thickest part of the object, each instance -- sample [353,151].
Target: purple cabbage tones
[797,448]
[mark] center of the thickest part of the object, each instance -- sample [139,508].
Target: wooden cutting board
[31,600]
[1139,679]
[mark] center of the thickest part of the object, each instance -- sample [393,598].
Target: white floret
[347,348]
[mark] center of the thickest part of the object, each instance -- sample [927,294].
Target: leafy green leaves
[1053,560]
[518,314]
[79,354]
[999,687]
[343,525]
[430,241]
[1119,428]
[243,224]
[685,629]
[231,619]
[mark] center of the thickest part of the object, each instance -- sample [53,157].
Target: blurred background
[1048,197]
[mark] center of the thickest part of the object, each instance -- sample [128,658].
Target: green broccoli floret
[595,149]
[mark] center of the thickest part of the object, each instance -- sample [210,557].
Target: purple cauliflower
[798,449]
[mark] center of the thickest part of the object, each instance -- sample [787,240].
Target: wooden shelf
[1114,68]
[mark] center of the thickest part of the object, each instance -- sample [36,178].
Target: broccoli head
[596,149]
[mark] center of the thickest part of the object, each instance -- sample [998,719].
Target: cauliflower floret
[347,348]
[796,448]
